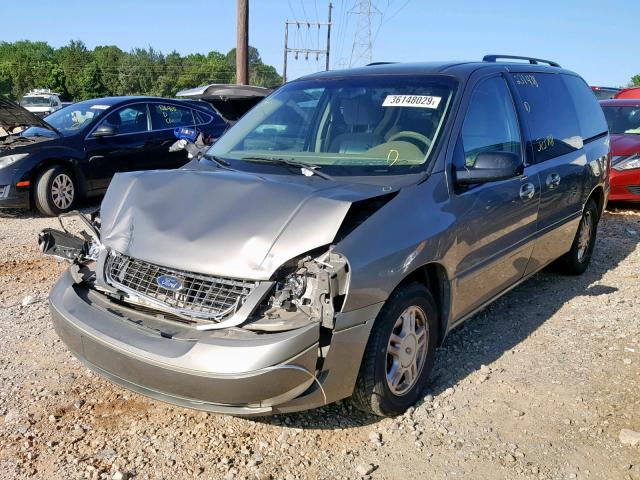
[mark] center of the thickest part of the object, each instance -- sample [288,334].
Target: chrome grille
[635,189]
[201,296]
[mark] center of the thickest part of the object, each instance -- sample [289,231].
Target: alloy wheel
[62,191]
[407,350]
[584,238]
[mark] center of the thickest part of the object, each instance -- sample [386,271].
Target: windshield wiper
[220,161]
[306,169]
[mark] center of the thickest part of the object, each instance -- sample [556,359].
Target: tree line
[78,73]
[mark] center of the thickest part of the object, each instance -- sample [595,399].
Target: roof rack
[378,63]
[531,60]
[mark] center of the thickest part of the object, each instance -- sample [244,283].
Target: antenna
[362,49]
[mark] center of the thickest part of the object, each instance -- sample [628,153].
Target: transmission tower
[362,49]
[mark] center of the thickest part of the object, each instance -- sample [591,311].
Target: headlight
[9,159]
[628,162]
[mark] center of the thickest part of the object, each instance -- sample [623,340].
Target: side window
[202,118]
[590,115]
[550,114]
[491,122]
[131,119]
[170,116]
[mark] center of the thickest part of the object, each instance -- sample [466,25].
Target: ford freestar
[327,243]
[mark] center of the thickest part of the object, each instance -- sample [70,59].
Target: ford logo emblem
[169,282]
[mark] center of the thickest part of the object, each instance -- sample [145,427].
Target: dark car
[352,219]
[623,117]
[231,102]
[74,152]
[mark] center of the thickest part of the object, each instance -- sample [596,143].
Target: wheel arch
[597,194]
[434,276]
[68,163]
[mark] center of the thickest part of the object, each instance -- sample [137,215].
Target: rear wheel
[400,353]
[55,191]
[576,260]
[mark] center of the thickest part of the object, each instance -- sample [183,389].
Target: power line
[301,47]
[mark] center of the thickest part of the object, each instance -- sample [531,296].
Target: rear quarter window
[590,115]
[550,114]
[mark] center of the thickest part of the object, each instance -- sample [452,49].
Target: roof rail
[531,60]
[378,63]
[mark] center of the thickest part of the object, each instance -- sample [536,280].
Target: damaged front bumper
[291,353]
[232,371]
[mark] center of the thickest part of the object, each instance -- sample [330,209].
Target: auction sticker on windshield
[420,101]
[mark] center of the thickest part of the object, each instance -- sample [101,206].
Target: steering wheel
[411,135]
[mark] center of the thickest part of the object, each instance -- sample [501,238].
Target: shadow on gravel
[84,206]
[500,327]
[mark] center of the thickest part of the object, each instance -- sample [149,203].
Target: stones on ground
[365,469]
[629,437]
[28,300]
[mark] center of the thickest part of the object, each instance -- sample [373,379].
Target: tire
[378,390]
[576,260]
[56,191]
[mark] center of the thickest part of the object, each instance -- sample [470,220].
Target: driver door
[496,220]
[124,151]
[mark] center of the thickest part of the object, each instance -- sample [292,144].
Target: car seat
[360,116]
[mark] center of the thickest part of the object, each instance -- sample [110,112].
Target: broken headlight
[312,285]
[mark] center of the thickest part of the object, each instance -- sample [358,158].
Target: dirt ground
[537,386]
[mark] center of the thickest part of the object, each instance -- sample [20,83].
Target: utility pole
[362,47]
[306,51]
[328,36]
[242,42]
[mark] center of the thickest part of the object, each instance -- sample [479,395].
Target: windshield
[35,102]
[351,126]
[72,118]
[623,119]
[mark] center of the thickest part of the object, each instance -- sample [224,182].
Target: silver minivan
[328,242]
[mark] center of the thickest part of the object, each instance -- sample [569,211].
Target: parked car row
[328,242]
[607,93]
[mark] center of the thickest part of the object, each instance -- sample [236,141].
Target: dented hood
[225,223]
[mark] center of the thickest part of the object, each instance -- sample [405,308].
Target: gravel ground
[543,384]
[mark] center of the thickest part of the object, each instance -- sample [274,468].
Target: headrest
[360,110]
[115,120]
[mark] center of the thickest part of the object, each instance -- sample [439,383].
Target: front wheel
[576,260]
[55,191]
[400,353]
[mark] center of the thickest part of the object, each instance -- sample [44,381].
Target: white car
[42,102]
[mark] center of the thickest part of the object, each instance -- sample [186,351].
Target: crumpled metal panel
[226,223]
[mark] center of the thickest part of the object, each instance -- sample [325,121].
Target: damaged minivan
[327,243]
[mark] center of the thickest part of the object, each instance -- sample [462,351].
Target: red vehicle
[623,117]
[631,92]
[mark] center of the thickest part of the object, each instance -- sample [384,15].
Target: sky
[595,39]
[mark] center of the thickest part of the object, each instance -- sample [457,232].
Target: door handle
[527,191]
[553,180]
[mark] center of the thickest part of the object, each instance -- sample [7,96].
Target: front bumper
[625,185]
[232,372]
[12,196]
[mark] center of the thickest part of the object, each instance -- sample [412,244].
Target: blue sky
[596,39]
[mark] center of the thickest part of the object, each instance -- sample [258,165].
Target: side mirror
[104,131]
[490,167]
